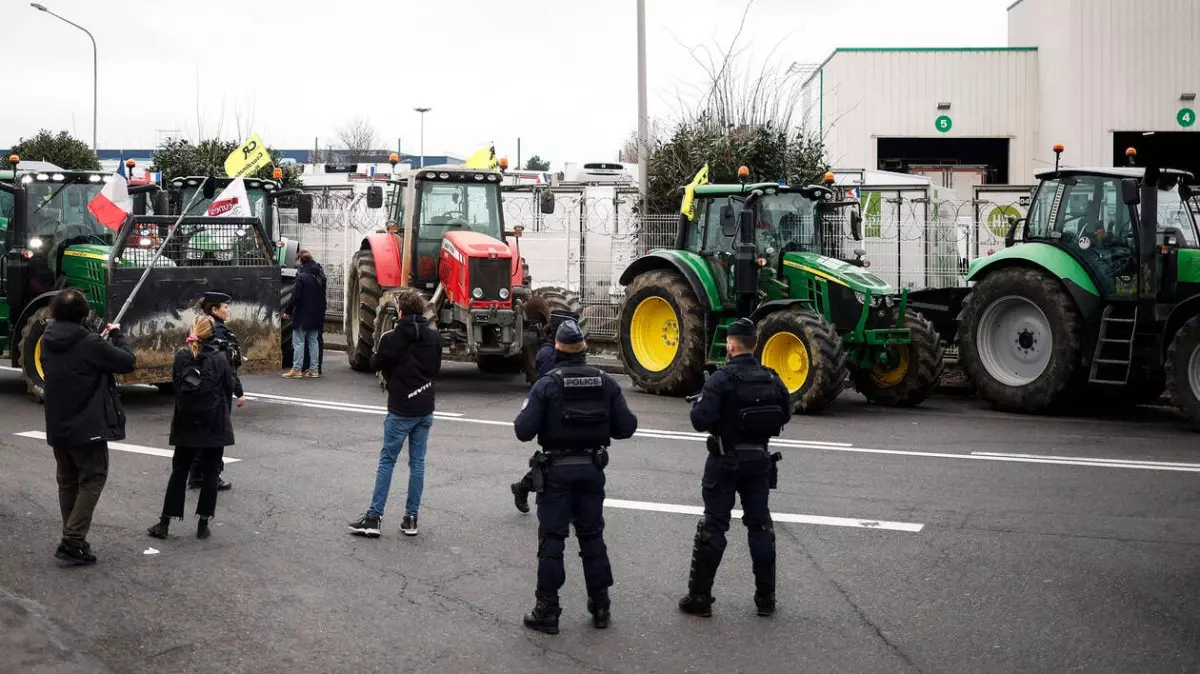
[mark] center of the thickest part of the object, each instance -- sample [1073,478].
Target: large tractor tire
[805,351]
[918,368]
[1021,341]
[285,325]
[363,309]
[661,334]
[561,299]
[1183,371]
[30,358]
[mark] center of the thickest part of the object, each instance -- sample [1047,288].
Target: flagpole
[157,254]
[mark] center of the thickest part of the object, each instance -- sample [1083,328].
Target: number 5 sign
[1186,117]
[943,123]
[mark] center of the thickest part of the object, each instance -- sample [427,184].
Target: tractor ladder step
[1112,361]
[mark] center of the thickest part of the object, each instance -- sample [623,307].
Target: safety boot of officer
[520,496]
[544,617]
[598,605]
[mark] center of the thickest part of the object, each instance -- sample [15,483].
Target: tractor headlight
[504,293]
[145,241]
[862,299]
[477,293]
[35,243]
[224,255]
[195,255]
[240,232]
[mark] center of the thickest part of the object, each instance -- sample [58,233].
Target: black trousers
[750,480]
[210,462]
[572,492]
[82,472]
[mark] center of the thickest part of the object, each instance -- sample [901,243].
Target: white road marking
[122,447]
[1091,460]
[912,527]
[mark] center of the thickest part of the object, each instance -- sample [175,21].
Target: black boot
[520,497]
[202,531]
[598,605]
[160,530]
[544,617]
[765,603]
[699,599]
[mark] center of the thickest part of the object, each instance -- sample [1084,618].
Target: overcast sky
[561,75]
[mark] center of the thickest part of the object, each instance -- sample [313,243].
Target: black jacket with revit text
[410,358]
[82,405]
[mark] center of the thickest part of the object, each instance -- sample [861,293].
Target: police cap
[215,297]
[742,327]
[568,333]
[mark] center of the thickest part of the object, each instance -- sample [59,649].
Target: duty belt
[572,457]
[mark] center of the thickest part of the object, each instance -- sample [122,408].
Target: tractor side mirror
[856,225]
[728,223]
[1011,237]
[1129,192]
[374,197]
[1186,192]
[304,208]
[547,202]
[162,203]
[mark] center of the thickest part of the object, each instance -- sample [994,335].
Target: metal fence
[911,239]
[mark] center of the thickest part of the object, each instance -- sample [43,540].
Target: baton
[157,254]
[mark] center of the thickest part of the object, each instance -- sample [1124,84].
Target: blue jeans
[395,430]
[300,338]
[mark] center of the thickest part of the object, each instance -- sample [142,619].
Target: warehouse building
[1098,76]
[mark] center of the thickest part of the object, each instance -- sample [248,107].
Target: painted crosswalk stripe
[122,447]
[911,527]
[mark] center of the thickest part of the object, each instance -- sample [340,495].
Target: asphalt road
[943,539]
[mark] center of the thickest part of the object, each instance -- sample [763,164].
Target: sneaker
[367,525]
[408,526]
[312,374]
[293,374]
[74,555]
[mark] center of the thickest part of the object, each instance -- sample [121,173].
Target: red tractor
[445,239]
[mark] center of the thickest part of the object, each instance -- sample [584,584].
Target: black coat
[307,306]
[410,358]
[219,434]
[82,404]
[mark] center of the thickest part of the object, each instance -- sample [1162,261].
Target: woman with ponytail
[201,426]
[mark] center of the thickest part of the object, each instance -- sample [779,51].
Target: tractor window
[397,205]
[786,218]
[448,206]
[1038,225]
[714,239]
[1172,213]
[60,210]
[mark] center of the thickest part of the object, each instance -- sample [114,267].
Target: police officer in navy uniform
[545,359]
[741,406]
[216,305]
[574,411]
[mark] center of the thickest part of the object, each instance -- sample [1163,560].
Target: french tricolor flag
[112,205]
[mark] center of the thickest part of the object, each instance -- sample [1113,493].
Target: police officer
[574,411]
[741,406]
[216,305]
[544,360]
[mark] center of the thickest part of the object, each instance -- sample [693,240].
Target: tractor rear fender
[1051,260]
[691,266]
[19,325]
[1180,314]
[386,250]
[767,308]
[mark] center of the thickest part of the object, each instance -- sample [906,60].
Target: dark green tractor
[774,253]
[1097,301]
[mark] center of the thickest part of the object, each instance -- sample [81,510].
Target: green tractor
[772,252]
[209,244]
[52,242]
[1100,301]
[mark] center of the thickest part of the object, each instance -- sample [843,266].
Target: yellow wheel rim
[37,360]
[887,378]
[788,356]
[654,334]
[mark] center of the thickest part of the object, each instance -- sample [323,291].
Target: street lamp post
[422,111]
[643,121]
[95,68]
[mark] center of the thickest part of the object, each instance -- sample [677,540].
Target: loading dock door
[1166,149]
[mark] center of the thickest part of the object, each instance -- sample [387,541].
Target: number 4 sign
[1186,117]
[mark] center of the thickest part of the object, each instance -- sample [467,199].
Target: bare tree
[358,138]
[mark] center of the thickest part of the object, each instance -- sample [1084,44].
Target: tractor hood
[133,257]
[856,278]
[474,244]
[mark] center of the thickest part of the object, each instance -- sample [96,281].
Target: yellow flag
[483,159]
[689,193]
[248,158]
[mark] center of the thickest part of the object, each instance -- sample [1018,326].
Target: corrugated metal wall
[862,95]
[1109,65]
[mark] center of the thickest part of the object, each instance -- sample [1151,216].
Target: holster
[713,443]
[773,476]
[537,465]
[600,458]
